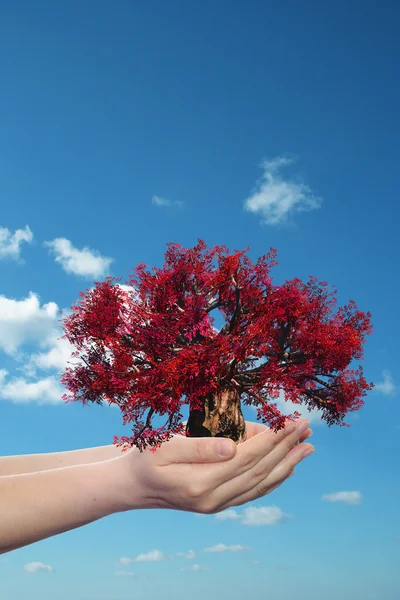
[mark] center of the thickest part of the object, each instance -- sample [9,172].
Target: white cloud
[286,407]
[264,515]
[36,567]
[85,262]
[346,497]
[225,548]
[387,386]
[165,202]
[275,198]
[10,243]
[125,560]
[226,515]
[56,357]
[153,556]
[20,391]
[194,567]
[124,574]
[188,555]
[25,321]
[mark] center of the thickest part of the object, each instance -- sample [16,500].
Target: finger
[256,428]
[287,465]
[273,480]
[262,444]
[227,486]
[226,478]
[278,453]
[180,449]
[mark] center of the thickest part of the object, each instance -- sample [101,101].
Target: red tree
[153,347]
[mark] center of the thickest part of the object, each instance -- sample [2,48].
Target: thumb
[182,449]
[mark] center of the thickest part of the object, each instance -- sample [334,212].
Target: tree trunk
[221,417]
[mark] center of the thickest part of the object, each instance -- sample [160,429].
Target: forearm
[34,506]
[31,463]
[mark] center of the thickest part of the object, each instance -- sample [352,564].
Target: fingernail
[308,452]
[225,448]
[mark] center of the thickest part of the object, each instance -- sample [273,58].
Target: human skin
[184,474]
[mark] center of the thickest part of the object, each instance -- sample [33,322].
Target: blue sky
[127,125]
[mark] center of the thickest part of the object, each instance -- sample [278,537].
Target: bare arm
[189,474]
[31,463]
[34,506]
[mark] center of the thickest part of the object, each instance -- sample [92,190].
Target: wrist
[121,475]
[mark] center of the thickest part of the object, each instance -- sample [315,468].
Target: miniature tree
[152,347]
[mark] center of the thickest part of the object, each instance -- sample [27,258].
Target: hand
[189,474]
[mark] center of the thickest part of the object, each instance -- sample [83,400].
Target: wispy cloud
[194,567]
[153,556]
[36,567]
[276,198]
[252,515]
[225,548]
[228,515]
[263,515]
[165,202]
[124,574]
[10,243]
[387,386]
[84,262]
[188,555]
[345,497]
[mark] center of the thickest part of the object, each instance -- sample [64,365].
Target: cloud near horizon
[345,497]
[36,567]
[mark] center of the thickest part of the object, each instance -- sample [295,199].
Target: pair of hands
[190,474]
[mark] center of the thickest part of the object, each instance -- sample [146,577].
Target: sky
[127,125]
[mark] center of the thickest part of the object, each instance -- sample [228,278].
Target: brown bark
[221,417]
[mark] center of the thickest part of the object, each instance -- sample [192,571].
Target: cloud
[85,262]
[125,560]
[28,324]
[56,357]
[345,497]
[188,555]
[124,574]
[20,391]
[25,321]
[224,548]
[264,515]
[194,567]
[287,407]
[387,386]
[276,199]
[10,243]
[153,556]
[165,203]
[36,567]
[226,515]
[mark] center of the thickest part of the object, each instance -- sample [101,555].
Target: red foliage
[154,347]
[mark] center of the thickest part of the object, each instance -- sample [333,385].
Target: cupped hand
[190,474]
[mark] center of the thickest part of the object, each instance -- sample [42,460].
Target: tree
[152,347]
